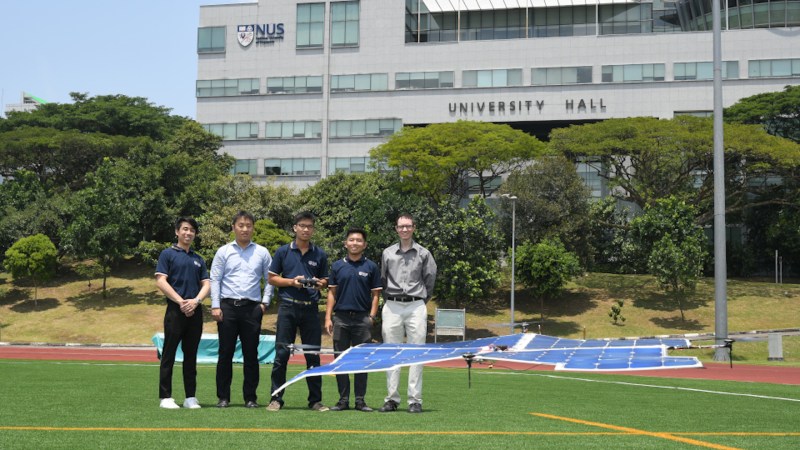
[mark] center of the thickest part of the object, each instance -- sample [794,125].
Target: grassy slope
[68,310]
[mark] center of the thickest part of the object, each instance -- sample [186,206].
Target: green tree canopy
[778,112]
[33,257]
[552,202]
[645,159]
[544,268]
[439,160]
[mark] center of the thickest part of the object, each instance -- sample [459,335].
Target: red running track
[712,371]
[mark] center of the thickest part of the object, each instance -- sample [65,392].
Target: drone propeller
[524,325]
[303,349]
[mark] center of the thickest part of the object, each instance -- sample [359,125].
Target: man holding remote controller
[299,269]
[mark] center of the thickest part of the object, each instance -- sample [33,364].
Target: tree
[677,265]
[266,233]
[466,245]
[552,202]
[544,268]
[33,257]
[439,160]
[107,215]
[778,112]
[645,159]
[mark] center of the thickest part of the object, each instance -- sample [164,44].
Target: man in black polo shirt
[354,288]
[182,276]
[300,270]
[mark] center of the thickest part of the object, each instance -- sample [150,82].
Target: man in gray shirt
[408,273]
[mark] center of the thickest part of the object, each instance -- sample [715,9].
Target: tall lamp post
[513,199]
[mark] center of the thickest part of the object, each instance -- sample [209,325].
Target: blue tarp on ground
[209,349]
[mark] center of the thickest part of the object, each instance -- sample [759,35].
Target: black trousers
[351,329]
[243,322]
[186,331]
[291,317]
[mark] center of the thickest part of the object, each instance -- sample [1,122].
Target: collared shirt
[289,262]
[184,270]
[237,272]
[411,273]
[354,282]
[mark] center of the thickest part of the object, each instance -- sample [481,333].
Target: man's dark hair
[189,220]
[305,215]
[406,216]
[356,230]
[243,214]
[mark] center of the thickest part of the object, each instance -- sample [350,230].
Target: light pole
[513,199]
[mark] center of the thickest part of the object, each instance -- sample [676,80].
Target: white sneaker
[169,403]
[191,403]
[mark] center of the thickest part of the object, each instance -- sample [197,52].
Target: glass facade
[360,82]
[363,128]
[245,166]
[294,130]
[294,85]
[344,24]
[310,25]
[695,15]
[223,88]
[704,71]
[211,40]
[492,78]
[355,164]
[234,131]
[633,73]
[423,80]
[292,166]
[769,68]
[561,75]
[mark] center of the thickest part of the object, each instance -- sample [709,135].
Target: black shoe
[361,406]
[251,404]
[223,403]
[341,405]
[389,406]
[415,408]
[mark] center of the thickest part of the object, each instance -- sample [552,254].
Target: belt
[239,301]
[350,313]
[299,302]
[402,298]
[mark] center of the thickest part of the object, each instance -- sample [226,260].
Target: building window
[292,166]
[590,172]
[294,85]
[626,18]
[294,130]
[564,21]
[704,71]
[245,166]
[210,39]
[363,128]
[561,75]
[361,82]
[349,165]
[492,78]
[344,24]
[633,73]
[310,25]
[423,80]
[223,88]
[234,131]
[774,68]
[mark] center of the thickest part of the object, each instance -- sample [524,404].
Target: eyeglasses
[405,227]
[304,226]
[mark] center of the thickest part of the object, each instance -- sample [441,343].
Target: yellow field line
[661,435]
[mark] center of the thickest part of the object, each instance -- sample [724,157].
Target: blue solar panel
[564,354]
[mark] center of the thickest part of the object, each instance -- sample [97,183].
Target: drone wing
[564,354]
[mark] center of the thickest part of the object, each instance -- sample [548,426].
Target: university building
[302,89]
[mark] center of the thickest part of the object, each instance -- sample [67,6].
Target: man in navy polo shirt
[182,276]
[354,288]
[300,270]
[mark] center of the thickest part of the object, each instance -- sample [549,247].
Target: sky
[138,48]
